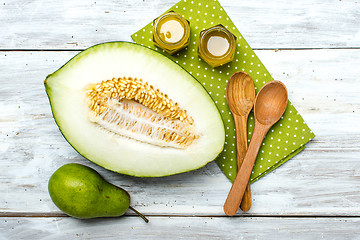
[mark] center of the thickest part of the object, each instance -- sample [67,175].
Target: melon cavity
[132,110]
[129,107]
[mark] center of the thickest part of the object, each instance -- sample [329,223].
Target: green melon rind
[51,82]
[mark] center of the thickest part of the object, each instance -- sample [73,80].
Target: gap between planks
[255,49]
[59,214]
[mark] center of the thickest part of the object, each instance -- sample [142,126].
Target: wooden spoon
[240,96]
[270,105]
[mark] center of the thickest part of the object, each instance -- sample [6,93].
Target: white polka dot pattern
[284,140]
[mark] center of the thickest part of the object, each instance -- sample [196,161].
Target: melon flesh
[126,152]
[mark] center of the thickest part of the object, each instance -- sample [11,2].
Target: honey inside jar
[217,46]
[171,32]
[217,43]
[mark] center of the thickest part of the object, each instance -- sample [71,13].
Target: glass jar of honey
[171,32]
[217,45]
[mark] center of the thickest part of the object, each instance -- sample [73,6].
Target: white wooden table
[313,46]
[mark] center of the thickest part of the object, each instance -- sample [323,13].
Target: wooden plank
[314,183]
[274,24]
[322,180]
[180,228]
[322,85]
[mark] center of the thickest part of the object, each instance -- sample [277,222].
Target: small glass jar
[171,32]
[217,45]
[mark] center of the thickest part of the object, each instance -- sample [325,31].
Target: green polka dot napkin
[284,140]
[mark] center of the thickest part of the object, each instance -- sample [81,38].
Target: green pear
[81,192]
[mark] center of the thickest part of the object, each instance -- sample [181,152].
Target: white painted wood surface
[181,228]
[314,195]
[68,24]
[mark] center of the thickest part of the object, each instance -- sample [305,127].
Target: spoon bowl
[240,93]
[270,103]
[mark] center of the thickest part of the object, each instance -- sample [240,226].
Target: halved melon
[134,111]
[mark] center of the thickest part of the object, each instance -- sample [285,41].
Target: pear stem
[138,213]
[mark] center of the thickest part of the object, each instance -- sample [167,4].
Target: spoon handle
[241,148]
[237,190]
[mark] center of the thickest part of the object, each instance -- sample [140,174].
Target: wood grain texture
[274,24]
[322,180]
[241,148]
[180,228]
[270,104]
[240,96]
